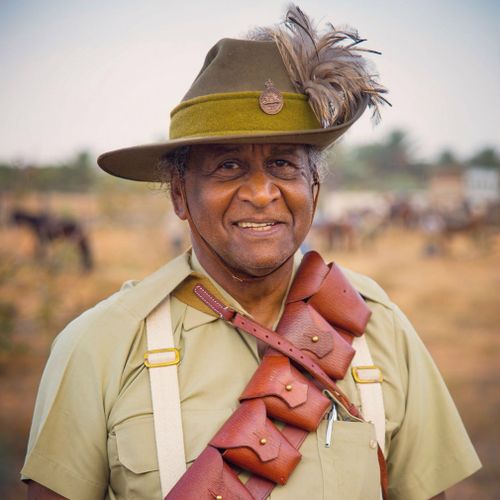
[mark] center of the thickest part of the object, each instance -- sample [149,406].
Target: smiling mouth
[257,226]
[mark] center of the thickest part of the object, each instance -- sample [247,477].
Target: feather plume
[327,66]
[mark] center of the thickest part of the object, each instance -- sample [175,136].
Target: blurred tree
[389,164]
[447,159]
[487,157]
[9,177]
[76,175]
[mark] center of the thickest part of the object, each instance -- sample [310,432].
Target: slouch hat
[290,84]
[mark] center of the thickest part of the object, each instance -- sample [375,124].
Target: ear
[178,195]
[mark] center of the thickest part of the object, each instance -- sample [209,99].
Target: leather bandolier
[322,314]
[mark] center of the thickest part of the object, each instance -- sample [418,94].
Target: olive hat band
[234,113]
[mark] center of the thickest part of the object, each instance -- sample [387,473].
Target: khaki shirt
[92,434]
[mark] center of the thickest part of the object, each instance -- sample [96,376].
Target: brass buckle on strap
[157,364]
[373,374]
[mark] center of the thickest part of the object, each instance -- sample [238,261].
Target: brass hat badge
[271,100]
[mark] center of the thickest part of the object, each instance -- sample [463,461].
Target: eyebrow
[284,149]
[220,149]
[276,149]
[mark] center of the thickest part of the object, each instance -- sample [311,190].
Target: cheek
[301,204]
[207,204]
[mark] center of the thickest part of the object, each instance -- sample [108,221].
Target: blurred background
[414,202]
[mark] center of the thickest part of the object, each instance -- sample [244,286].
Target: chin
[259,267]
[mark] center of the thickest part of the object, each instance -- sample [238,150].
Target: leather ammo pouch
[208,478]
[302,325]
[251,441]
[287,394]
[327,290]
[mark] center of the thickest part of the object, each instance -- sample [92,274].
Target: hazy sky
[105,74]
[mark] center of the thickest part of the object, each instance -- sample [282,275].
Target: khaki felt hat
[245,93]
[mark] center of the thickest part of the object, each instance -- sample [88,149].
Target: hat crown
[240,65]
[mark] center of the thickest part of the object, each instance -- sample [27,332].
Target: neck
[260,296]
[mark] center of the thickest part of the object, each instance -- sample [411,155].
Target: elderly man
[267,374]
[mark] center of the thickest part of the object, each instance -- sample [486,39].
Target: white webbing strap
[368,378]
[162,359]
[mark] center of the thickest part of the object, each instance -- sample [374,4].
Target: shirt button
[373,443]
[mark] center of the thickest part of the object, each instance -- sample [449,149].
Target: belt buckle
[157,364]
[376,375]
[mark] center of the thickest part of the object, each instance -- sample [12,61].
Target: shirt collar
[197,318]
[228,299]
[200,318]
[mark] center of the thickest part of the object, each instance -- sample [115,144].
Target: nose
[258,189]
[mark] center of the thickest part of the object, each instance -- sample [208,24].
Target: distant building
[450,188]
[482,185]
[446,189]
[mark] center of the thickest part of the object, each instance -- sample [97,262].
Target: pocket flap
[136,445]
[275,377]
[306,329]
[249,427]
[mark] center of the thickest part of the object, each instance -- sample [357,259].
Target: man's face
[252,203]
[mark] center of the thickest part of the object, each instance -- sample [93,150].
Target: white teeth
[258,226]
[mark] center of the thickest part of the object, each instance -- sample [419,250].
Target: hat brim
[140,163]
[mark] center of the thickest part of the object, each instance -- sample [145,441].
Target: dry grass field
[453,301]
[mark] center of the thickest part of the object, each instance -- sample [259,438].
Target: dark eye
[282,163]
[229,169]
[283,169]
[229,165]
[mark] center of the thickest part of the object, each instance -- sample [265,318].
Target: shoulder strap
[161,359]
[368,379]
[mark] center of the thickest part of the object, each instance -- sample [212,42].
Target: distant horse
[48,228]
[443,227]
[403,214]
[469,225]
[336,235]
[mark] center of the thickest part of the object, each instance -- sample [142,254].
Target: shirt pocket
[351,468]
[133,460]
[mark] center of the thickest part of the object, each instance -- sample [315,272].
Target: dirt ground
[452,299]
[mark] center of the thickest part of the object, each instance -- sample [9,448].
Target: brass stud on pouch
[315,338]
[218,497]
[263,441]
[289,387]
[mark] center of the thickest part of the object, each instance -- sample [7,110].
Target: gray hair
[176,161]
